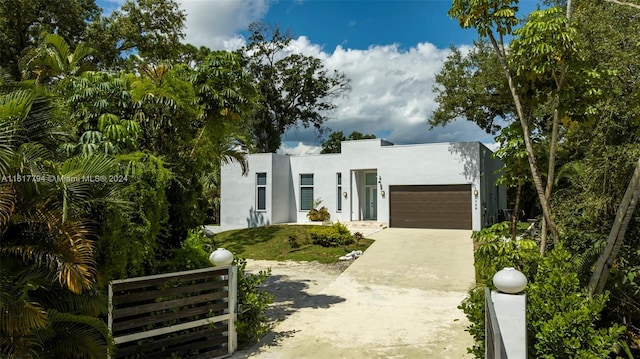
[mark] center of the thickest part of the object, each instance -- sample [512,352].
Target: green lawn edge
[282,243]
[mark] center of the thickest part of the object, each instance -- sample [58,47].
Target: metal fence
[493,345]
[187,314]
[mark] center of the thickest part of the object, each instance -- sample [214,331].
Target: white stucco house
[436,185]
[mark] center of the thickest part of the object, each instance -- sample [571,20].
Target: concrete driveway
[399,300]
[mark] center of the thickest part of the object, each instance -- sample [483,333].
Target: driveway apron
[399,300]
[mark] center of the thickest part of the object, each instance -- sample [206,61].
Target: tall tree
[473,87]
[53,59]
[22,22]
[550,40]
[294,89]
[150,29]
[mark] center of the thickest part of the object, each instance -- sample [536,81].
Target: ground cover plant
[289,242]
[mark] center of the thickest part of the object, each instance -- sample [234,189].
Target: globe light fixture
[221,257]
[510,281]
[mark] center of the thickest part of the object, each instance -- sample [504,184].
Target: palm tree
[53,59]
[46,236]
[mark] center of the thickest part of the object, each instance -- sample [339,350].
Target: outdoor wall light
[475,192]
[382,193]
[344,194]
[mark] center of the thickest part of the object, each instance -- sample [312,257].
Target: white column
[232,344]
[511,313]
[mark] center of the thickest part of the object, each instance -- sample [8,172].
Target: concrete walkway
[399,300]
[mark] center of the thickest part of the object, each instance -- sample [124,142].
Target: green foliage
[53,60]
[47,262]
[101,114]
[293,90]
[543,45]
[473,308]
[128,245]
[495,251]
[562,319]
[485,16]
[472,86]
[253,301]
[22,22]
[272,243]
[150,28]
[319,214]
[193,254]
[331,236]
[563,322]
[578,72]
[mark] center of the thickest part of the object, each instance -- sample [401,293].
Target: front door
[372,203]
[371,196]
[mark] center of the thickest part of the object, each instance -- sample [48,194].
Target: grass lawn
[275,243]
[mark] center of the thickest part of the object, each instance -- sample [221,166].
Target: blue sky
[360,24]
[391,51]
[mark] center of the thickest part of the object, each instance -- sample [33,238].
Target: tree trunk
[515,213]
[616,236]
[524,122]
[555,129]
[543,237]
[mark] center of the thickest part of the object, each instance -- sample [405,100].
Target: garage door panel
[427,206]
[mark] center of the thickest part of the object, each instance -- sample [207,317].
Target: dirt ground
[295,285]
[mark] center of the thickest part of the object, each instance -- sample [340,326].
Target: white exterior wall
[423,164]
[238,194]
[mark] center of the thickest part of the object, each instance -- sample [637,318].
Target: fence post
[233,315]
[110,316]
[506,316]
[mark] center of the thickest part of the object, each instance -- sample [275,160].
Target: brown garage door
[437,206]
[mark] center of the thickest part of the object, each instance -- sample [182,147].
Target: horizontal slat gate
[430,206]
[185,314]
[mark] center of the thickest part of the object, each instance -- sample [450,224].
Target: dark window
[339,192]
[306,192]
[261,191]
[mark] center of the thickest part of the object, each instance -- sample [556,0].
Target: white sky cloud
[299,149]
[216,23]
[391,92]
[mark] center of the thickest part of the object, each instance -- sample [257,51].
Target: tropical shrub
[128,244]
[253,301]
[563,322]
[495,250]
[331,236]
[193,254]
[562,319]
[49,305]
[319,215]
